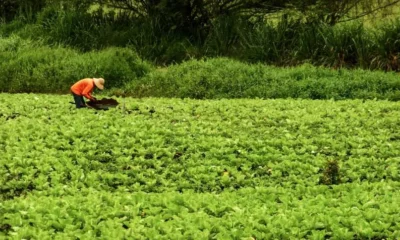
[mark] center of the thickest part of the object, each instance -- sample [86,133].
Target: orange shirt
[84,88]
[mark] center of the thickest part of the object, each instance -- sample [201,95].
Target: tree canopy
[188,14]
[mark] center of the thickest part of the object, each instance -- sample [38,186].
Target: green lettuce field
[157,168]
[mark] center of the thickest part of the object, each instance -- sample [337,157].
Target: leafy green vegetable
[234,169]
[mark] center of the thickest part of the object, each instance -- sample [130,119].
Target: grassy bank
[225,78]
[29,66]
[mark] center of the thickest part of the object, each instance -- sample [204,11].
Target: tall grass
[387,47]
[285,42]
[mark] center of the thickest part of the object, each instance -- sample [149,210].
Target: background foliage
[33,67]
[47,45]
[286,32]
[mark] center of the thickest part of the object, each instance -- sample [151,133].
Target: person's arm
[87,92]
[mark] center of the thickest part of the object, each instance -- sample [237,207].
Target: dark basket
[103,104]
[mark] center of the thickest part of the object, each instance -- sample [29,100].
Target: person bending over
[84,88]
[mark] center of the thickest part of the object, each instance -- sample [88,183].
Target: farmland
[158,168]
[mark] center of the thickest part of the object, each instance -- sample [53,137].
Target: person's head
[99,82]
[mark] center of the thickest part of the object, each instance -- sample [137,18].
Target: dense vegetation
[244,164]
[193,169]
[224,78]
[45,46]
[30,66]
[282,33]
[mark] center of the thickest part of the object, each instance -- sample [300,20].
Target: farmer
[84,88]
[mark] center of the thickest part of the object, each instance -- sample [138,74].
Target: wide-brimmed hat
[99,82]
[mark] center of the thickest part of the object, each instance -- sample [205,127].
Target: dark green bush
[330,173]
[30,67]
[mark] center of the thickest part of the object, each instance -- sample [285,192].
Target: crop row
[182,169]
[341,212]
[204,146]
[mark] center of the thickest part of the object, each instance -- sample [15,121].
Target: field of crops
[157,168]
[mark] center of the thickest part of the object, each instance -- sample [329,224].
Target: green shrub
[227,78]
[31,66]
[46,69]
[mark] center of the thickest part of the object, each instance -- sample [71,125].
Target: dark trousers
[79,101]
